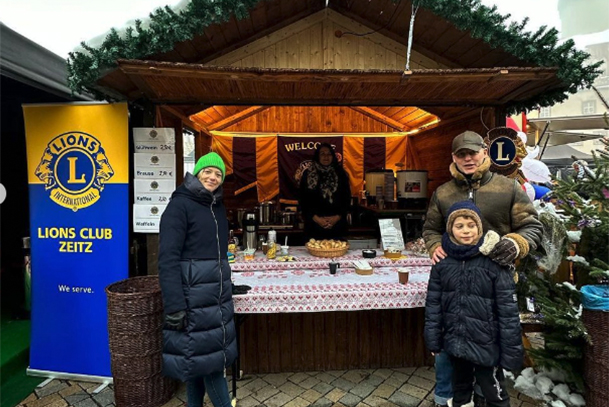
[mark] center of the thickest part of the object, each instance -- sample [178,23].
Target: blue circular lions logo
[74,167]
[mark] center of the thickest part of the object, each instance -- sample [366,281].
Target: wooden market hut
[331,67]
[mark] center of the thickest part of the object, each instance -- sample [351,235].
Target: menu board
[155,176]
[391,234]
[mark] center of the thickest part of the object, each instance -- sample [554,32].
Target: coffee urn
[250,229]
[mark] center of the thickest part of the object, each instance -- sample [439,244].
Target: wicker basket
[328,252]
[596,358]
[153,391]
[135,330]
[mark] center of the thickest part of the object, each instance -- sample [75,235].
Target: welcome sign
[78,169]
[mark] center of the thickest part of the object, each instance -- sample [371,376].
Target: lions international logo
[506,151]
[74,167]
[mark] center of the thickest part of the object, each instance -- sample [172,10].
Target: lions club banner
[78,174]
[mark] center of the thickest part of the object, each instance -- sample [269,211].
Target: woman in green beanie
[199,339]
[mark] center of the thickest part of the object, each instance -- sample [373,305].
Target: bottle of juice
[271,252]
[232,242]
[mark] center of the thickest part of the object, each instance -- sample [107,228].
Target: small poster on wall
[391,234]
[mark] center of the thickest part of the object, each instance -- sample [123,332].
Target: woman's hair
[318,151]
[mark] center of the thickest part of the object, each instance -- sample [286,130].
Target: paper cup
[284,250]
[403,275]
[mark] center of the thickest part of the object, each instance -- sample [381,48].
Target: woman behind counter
[199,333]
[325,196]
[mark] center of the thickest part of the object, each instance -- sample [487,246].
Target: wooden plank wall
[303,119]
[333,341]
[433,147]
[298,119]
[315,42]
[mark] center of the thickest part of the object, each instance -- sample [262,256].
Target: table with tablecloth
[291,305]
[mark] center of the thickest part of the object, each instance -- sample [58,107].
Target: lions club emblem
[74,167]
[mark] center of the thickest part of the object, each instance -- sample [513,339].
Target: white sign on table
[391,234]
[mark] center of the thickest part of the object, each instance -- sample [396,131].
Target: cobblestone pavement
[404,387]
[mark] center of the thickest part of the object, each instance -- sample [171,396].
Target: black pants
[490,379]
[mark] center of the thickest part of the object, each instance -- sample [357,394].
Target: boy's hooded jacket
[471,310]
[195,277]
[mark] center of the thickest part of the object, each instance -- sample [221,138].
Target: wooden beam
[160,69]
[366,111]
[461,116]
[142,85]
[195,125]
[477,75]
[334,101]
[242,115]
[532,87]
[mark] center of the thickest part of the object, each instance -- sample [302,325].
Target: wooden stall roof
[400,118]
[437,37]
[434,36]
[183,84]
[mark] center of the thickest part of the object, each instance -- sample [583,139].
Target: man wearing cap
[505,208]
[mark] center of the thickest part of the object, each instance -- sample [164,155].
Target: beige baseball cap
[469,140]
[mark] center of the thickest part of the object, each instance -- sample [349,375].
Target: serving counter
[298,317]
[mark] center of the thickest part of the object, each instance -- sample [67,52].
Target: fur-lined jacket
[505,207]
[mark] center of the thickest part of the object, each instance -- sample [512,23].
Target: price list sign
[154,172]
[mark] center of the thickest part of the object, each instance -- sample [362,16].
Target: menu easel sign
[391,234]
[155,175]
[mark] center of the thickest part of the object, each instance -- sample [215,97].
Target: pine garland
[167,28]
[539,49]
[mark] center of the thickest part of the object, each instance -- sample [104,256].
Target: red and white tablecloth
[306,290]
[306,261]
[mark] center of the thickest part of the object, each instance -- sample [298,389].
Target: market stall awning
[182,84]
[589,122]
[555,131]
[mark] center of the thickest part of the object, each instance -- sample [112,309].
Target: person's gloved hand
[176,321]
[504,253]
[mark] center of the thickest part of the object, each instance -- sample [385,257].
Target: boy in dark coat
[471,311]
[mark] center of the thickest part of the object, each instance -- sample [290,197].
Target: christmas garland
[167,28]
[539,48]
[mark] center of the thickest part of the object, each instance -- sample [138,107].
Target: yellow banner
[76,149]
[104,122]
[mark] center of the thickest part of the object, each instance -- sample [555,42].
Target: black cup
[333,267]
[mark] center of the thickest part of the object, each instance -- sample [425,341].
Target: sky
[60,25]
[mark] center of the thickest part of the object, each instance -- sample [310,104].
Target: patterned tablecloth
[277,287]
[304,260]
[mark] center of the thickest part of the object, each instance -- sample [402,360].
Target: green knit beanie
[210,160]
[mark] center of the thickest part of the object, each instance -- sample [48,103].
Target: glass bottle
[233,242]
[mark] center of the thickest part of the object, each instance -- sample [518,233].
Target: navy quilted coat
[471,313]
[195,276]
